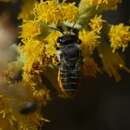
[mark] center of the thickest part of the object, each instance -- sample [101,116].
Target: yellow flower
[30,29]
[89,41]
[48,12]
[33,51]
[14,98]
[51,12]
[50,47]
[104,4]
[119,36]
[70,12]
[96,23]
[38,54]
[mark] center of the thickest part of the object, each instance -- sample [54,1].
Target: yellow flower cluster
[47,12]
[104,4]
[38,53]
[50,47]
[13,98]
[51,12]
[119,36]
[30,29]
[96,23]
[33,53]
[89,41]
[69,12]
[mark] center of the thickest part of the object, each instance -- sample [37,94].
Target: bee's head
[68,39]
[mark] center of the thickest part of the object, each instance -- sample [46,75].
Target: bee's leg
[62,92]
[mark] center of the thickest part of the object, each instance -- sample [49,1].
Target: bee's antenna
[73,27]
[61,29]
[57,29]
[74,24]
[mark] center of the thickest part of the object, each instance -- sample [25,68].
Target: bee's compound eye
[59,40]
[29,107]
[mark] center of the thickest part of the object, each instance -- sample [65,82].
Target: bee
[29,108]
[69,57]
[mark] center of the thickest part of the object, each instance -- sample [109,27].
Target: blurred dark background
[101,103]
